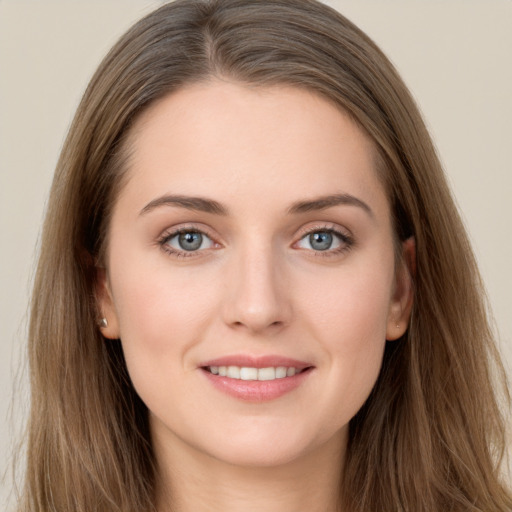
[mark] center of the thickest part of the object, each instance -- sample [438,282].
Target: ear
[106,307]
[403,295]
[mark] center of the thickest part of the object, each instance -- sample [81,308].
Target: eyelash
[347,242]
[166,237]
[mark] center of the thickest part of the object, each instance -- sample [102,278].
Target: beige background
[454,54]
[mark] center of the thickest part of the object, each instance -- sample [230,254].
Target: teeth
[244,373]
[266,374]
[233,372]
[281,372]
[249,373]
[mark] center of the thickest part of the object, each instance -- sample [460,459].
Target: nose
[257,298]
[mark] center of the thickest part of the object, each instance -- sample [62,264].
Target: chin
[252,456]
[271,448]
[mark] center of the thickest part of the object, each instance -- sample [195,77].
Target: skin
[256,287]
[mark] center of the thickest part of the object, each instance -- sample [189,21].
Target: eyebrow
[190,203]
[202,204]
[324,202]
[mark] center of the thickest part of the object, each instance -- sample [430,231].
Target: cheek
[352,304]
[161,311]
[162,315]
[349,318]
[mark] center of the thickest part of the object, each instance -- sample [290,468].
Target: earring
[103,323]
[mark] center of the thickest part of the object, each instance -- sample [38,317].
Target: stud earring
[103,323]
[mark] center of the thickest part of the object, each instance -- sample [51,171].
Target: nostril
[258,326]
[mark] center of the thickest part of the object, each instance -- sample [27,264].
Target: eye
[186,241]
[320,241]
[325,240]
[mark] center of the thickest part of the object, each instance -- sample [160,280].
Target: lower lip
[257,390]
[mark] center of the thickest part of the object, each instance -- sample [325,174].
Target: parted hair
[430,437]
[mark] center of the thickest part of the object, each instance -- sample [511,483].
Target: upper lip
[247,361]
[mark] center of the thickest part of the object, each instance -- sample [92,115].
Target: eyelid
[324,226]
[345,237]
[171,232]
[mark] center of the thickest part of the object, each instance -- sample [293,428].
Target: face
[250,272]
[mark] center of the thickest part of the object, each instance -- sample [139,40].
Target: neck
[192,481]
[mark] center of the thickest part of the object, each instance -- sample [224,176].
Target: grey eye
[189,241]
[321,240]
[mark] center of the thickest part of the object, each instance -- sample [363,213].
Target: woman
[246,294]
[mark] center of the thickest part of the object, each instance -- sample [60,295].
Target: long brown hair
[429,438]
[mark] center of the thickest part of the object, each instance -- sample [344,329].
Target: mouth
[257,379]
[248,373]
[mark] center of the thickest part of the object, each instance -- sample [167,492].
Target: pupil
[320,241]
[190,241]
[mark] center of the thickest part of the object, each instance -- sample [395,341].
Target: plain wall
[454,55]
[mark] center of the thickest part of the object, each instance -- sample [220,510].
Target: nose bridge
[257,298]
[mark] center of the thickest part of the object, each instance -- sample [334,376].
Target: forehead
[249,143]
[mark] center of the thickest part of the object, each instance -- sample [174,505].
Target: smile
[256,379]
[248,373]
